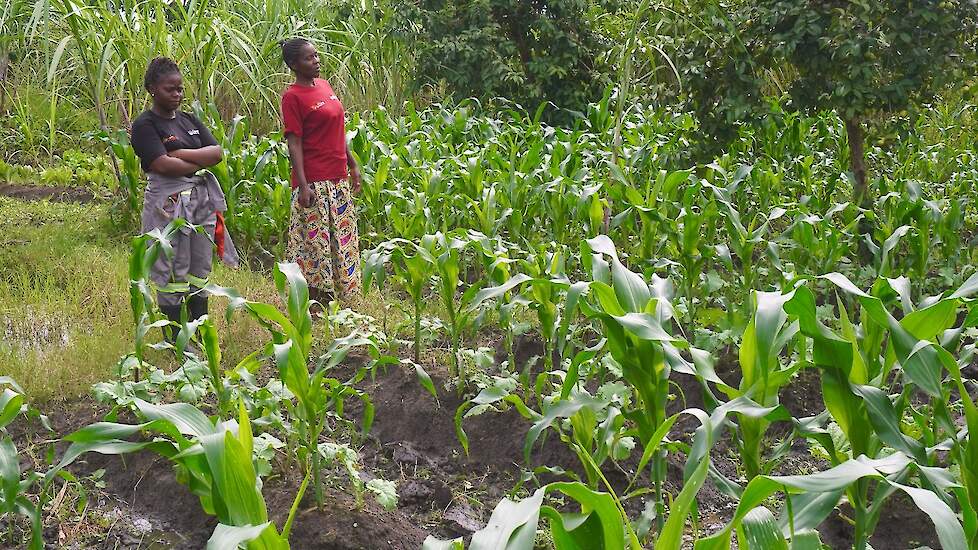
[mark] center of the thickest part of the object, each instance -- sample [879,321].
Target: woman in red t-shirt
[323,238]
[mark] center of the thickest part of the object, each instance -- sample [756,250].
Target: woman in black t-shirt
[174,148]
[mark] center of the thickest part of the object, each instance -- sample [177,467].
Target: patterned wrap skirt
[323,240]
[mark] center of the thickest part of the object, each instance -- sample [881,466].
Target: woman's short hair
[157,69]
[291,50]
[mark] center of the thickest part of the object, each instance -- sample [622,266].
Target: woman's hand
[355,179]
[307,197]
[356,182]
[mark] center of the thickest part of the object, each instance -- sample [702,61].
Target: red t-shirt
[315,114]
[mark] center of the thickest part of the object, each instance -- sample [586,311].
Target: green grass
[64,299]
[65,318]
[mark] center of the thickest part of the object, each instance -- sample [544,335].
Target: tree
[862,58]
[530,51]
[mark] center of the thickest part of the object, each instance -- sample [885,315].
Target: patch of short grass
[65,318]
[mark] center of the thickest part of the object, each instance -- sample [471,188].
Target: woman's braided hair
[157,69]
[291,49]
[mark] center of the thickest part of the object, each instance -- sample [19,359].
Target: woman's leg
[309,243]
[168,270]
[345,242]
[201,260]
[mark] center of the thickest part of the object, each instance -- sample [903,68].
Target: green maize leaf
[8,381]
[647,327]
[573,371]
[9,475]
[671,537]
[11,403]
[835,356]
[652,446]
[463,438]
[901,285]
[809,510]
[709,430]
[187,418]
[111,447]
[967,289]
[886,422]
[245,436]
[830,350]
[599,505]
[925,374]
[104,431]
[806,539]
[495,292]
[423,378]
[562,525]
[929,322]
[237,499]
[701,366]
[431,543]
[258,537]
[758,348]
[270,315]
[563,409]
[607,300]
[212,348]
[187,331]
[574,293]
[759,531]
[630,288]
[295,293]
[949,530]
[512,525]
[293,370]
[837,479]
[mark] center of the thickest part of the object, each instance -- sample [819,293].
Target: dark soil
[43,192]
[441,491]
[902,526]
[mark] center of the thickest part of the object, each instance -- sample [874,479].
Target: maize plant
[414,265]
[315,393]
[763,343]
[213,459]
[634,321]
[857,365]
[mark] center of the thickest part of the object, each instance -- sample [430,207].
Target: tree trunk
[857,162]
[4,65]
[860,190]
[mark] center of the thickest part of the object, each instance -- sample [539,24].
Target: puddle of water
[30,330]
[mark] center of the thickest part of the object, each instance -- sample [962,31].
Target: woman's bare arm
[166,165]
[203,157]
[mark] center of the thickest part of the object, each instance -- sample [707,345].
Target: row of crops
[633,268]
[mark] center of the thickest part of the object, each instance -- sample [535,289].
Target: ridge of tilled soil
[442,491]
[46,192]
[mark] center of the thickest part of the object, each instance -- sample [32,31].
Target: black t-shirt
[154,136]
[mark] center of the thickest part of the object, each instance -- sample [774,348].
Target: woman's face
[308,63]
[168,92]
